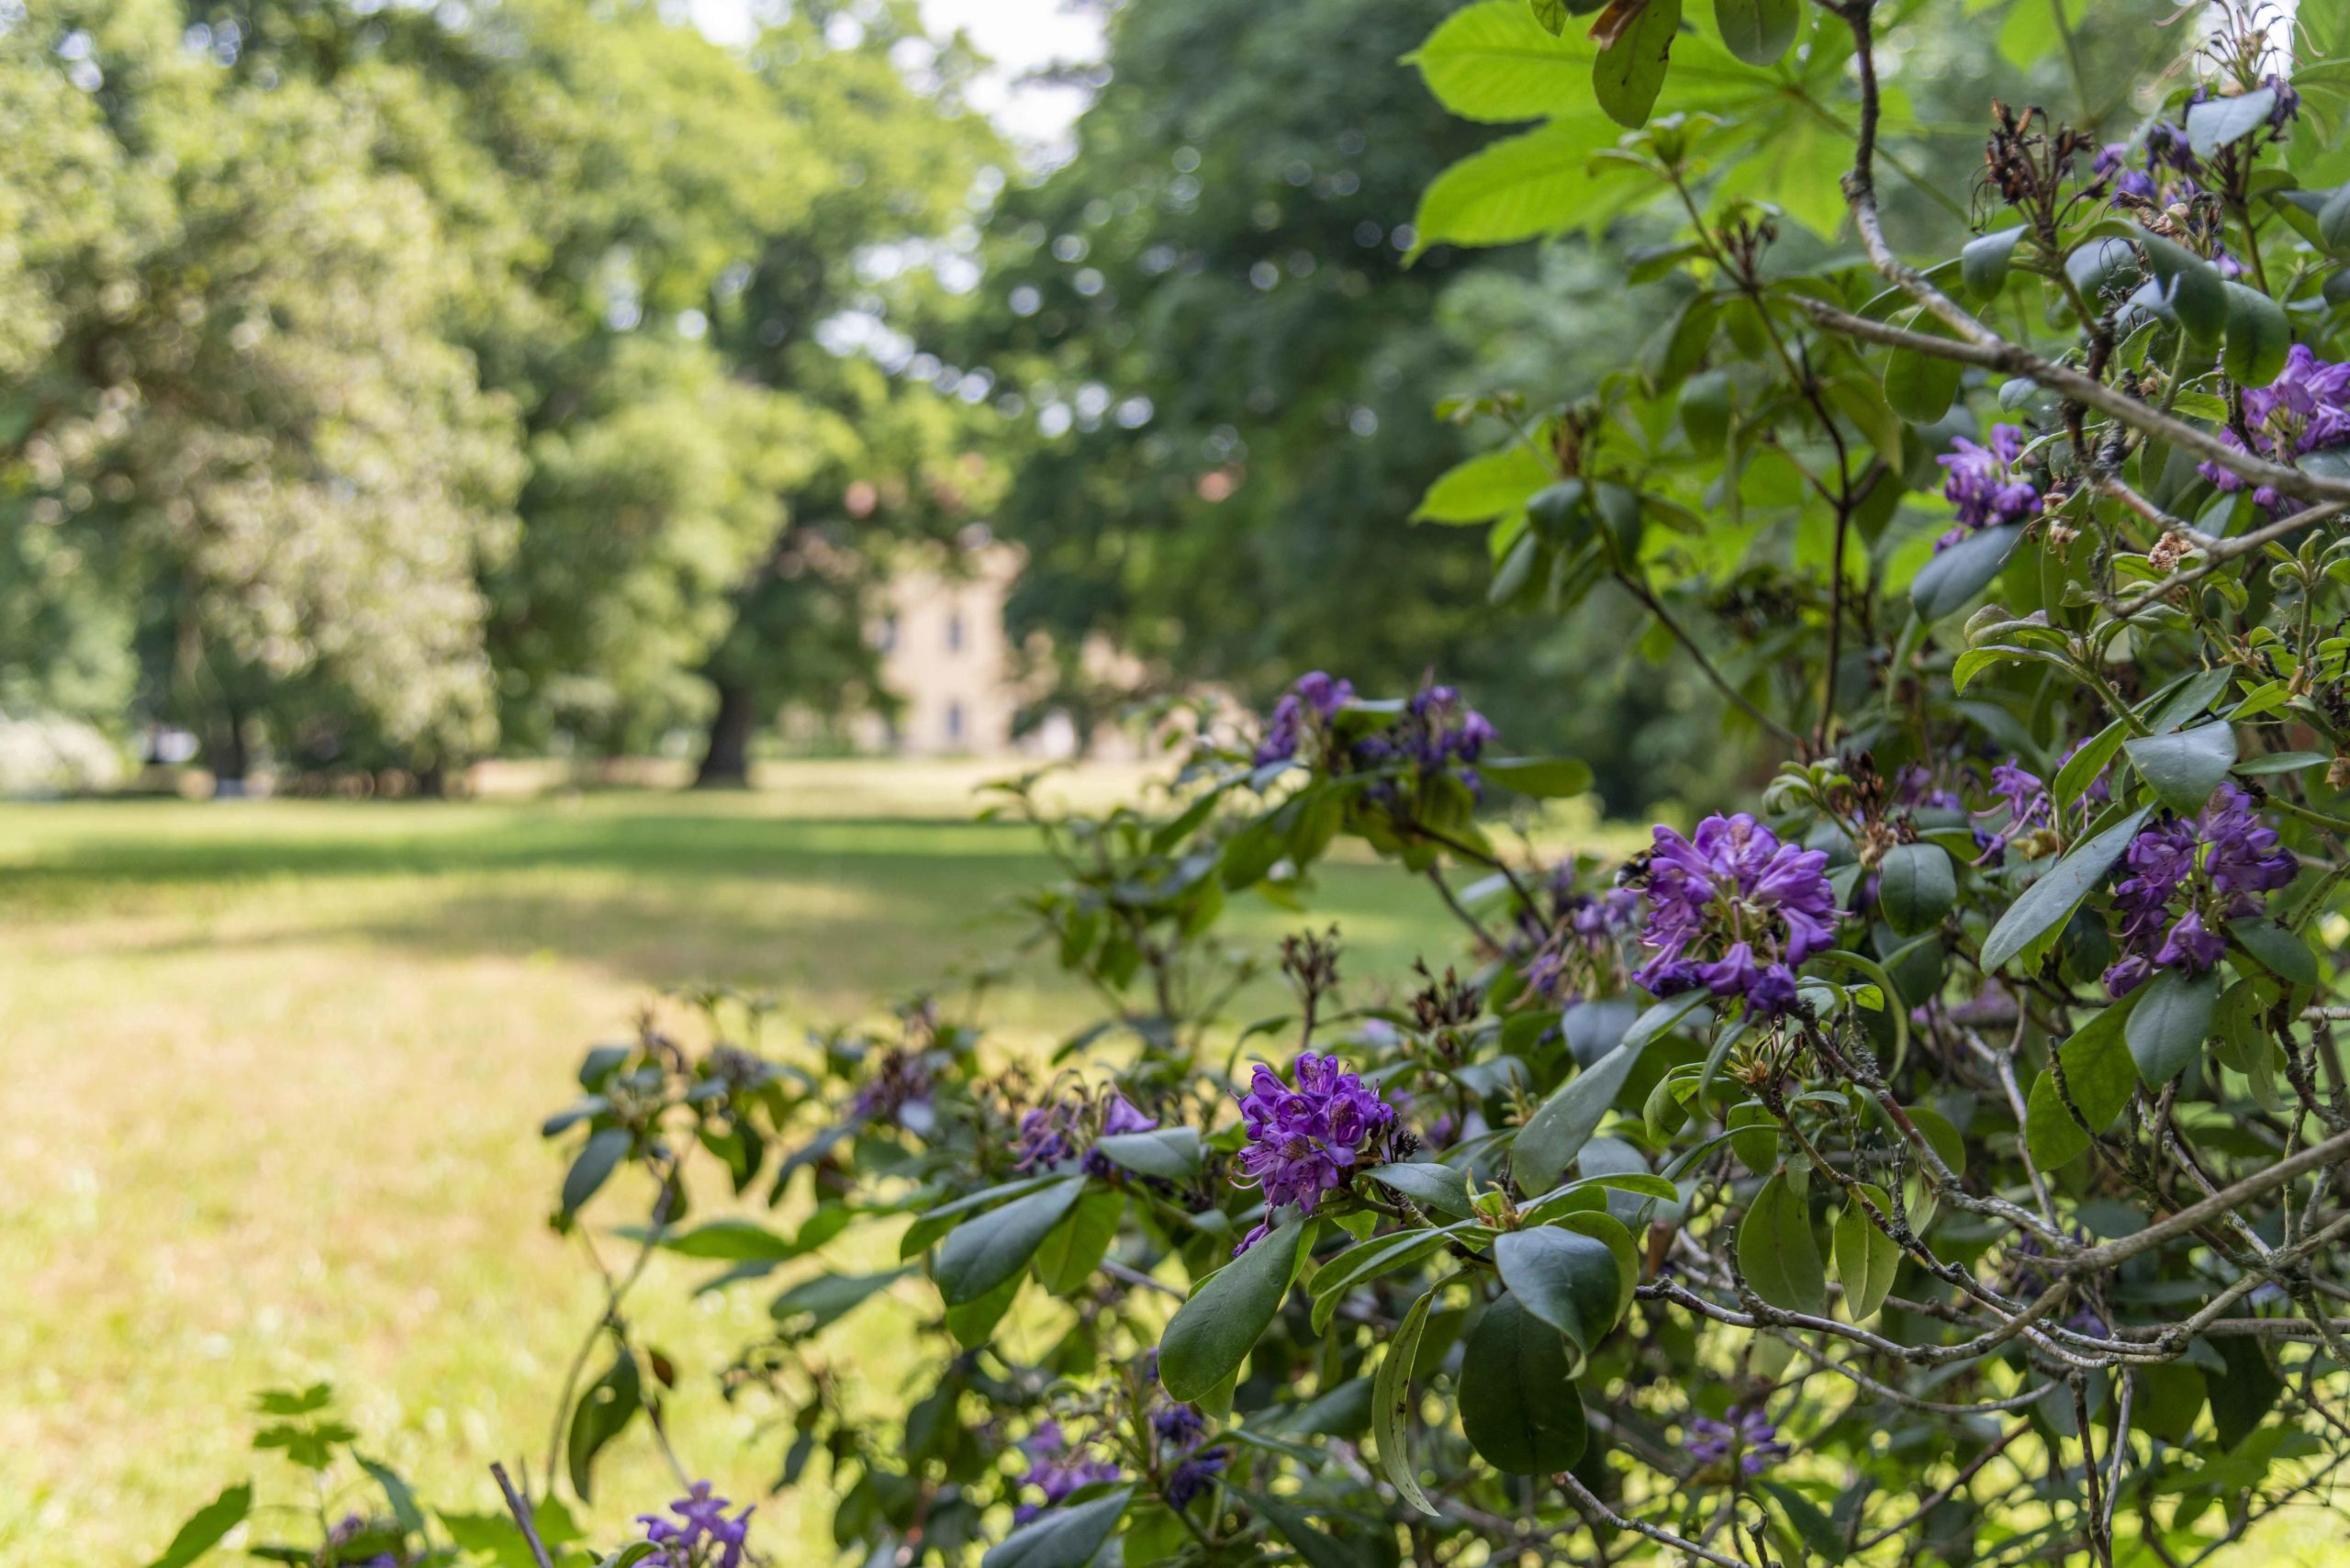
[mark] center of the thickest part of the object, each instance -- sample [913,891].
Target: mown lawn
[274,1072]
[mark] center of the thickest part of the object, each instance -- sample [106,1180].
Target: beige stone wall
[946,658]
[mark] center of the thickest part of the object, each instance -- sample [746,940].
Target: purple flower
[2306,409]
[1120,1116]
[1446,729]
[1056,1469]
[2113,164]
[1982,484]
[2223,862]
[1748,1433]
[1178,1426]
[1914,787]
[701,1535]
[1315,696]
[1192,1476]
[1761,906]
[1303,1141]
[898,1092]
[1047,1136]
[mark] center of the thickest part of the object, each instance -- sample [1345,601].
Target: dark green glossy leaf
[2168,1026]
[1569,1280]
[607,1407]
[1519,1401]
[1552,1137]
[1064,1537]
[2258,337]
[982,1253]
[2183,768]
[1391,1396]
[1171,1154]
[1545,778]
[1212,1333]
[1946,583]
[2280,952]
[1917,885]
[594,1165]
[2098,1075]
[1867,1258]
[1984,261]
[2046,905]
[1628,74]
[1758,32]
[204,1527]
[1777,1251]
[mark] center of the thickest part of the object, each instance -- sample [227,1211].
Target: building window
[954,723]
[888,636]
[955,633]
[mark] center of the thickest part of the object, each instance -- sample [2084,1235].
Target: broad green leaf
[1546,778]
[2190,286]
[1212,1333]
[1611,1233]
[1318,1549]
[1867,1258]
[1517,188]
[1367,1260]
[1557,1131]
[1777,1251]
[2241,1400]
[1758,32]
[1569,1280]
[204,1527]
[1920,387]
[1483,487]
[1494,61]
[935,1223]
[1917,885]
[2183,768]
[826,1299]
[2048,903]
[973,1324]
[602,1412]
[2168,1026]
[1074,1248]
[2214,124]
[595,1164]
[1519,1401]
[2280,952]
[1063,1538]
[1629,73]
[2097,1073]
[1984,261]
[730,1240]
[2258,337]
[1956,574]
[1441,1189]
[2080,770]
[982,1253]
[1390,1398]
[1171,1154]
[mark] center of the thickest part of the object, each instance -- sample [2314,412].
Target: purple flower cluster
[1915,787]
[1585,928]
[2306,409]
[898,1092]
[1314,700]
[1179,1428]
[1056,1469]
[1303,1141]
[701,1535]
[1748,1433]
[1758,906]
[2223,862]
[1052,1133]
[1983,483]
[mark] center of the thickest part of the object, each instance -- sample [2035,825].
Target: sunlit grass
[275,1074]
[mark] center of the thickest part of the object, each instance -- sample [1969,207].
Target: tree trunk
[726,761]
[226,753]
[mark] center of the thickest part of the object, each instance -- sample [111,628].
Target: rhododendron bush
[1938,1157]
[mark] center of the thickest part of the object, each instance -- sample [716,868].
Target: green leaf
[1629,72]
[2258,337]
[1984,261]
[1440,1189]
[2279,952]
[207,1526]
[1569,1280]
[1952,576]
[2098,1073]
[2168,1026]
[826,1299]
[606,1408]
[1519,1401]
[1559,1129]
[1758,32]
[1545,778]
[981,1253]
[2241,1399]
[1484,487]
[588,1172]
[1517,188]
[1317,1549]
[2214,124]
[730,1240]
[1171,1154]
[1920,387]
[1077,1246]
[1867,1258]
[2192,286]
[1365,1260]
[2048,903]
[1551,15]
[397,1493]
[1777,1251]
[2184,768]
[972,1324]
[1064,1537]
[1496,62]
[1917,885]
[1391,1402]
[2279,762]
[1212,1333]
[2080,770]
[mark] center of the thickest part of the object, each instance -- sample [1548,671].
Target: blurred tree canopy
[385,384]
